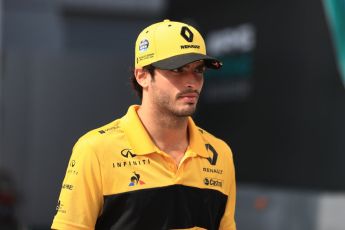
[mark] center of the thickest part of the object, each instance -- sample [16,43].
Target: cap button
[166,20]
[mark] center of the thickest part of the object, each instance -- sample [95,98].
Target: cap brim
[184,59]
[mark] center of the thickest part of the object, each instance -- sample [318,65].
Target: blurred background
[279,101]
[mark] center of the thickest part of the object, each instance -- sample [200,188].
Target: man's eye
[178,70]
[200,70]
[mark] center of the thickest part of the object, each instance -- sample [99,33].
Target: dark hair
[135,85]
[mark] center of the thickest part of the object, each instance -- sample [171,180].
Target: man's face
[176,92]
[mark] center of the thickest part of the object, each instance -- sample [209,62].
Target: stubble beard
[172,106]
[185,112]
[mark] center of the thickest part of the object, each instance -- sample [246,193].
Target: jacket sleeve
[81,196]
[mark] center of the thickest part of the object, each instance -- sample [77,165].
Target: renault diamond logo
[127,152]
[212,160]
[187,34]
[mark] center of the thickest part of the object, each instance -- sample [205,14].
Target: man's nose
[192,79]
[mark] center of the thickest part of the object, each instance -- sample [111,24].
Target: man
[154,168]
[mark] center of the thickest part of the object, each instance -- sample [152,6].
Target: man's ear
[142,76]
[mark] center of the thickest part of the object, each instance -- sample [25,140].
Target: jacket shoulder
[215,141]
[101,133]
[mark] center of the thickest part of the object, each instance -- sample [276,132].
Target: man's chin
[186,112]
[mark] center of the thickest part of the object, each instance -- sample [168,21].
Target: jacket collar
[141,142]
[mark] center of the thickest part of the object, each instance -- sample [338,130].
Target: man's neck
[169,133]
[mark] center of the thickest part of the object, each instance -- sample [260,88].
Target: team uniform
[118,179]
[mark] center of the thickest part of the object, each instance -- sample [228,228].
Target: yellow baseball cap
[170,45]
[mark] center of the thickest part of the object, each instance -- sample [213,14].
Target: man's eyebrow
[201,65]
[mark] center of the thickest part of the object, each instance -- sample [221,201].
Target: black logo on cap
[187,34]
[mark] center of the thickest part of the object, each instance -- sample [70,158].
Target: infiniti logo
[127,152]
[72,163]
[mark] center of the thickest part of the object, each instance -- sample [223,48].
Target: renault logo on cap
[187,34]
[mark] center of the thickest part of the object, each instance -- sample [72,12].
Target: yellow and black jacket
[118,179]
